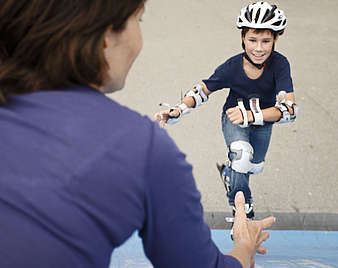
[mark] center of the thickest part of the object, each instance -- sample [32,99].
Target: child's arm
[271,114]
[186,104]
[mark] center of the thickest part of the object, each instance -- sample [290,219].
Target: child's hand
[163,116]
[235,115]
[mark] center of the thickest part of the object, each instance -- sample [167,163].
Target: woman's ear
[108,36]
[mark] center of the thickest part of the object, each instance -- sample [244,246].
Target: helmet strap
[257,65]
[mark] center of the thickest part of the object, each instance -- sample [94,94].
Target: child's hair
[246,29]
[46,44]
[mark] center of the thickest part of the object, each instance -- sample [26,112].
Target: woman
[76,181]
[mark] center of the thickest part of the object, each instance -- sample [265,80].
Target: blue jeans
[259,138]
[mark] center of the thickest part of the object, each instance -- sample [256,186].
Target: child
[261,93]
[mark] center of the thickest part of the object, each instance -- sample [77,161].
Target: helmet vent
[277,23]
[267,16]
[257,15]
[251,15]
[248,14]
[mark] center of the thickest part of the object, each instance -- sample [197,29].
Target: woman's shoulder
[84,114]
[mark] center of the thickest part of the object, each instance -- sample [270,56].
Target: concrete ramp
[286,249]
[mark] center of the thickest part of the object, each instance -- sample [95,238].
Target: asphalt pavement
[184,41]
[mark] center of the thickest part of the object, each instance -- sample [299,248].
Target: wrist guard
[182,111]
[281,105]
[244,114]
[256,111]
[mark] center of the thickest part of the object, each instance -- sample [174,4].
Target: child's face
[259,45]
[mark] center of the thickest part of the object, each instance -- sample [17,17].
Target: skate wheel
[229,219]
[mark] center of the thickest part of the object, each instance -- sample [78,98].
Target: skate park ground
[184,41]
[286,249]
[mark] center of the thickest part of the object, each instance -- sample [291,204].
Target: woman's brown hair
[49,44]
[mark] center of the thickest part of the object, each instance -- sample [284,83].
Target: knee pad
[241,154]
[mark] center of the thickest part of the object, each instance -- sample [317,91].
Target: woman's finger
[263,237]
[240,207]
[261,250]
[266,223]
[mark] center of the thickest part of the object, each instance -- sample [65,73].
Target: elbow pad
[198,94]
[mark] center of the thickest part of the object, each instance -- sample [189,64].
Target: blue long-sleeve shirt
[79,173]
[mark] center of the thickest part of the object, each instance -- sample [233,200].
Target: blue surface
[309,249]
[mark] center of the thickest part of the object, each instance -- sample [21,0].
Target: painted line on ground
[284,221]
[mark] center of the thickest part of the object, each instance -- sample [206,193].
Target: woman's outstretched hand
[248,235]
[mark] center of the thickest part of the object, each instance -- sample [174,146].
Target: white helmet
[262,15]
